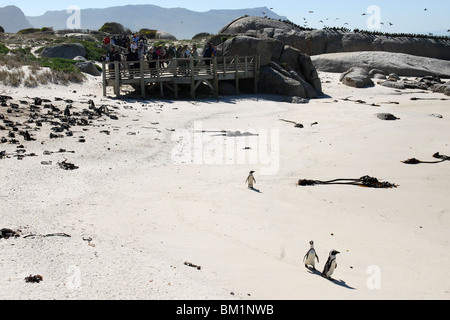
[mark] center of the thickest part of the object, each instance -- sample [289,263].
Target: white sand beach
[151,193]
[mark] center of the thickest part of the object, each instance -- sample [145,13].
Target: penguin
[331,264]
[67,111]
[250,180]
[310,257]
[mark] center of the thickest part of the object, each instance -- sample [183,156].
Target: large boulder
[245,23]
[246,46]
[88,67]
[316,42]
[68,51]
[164,35]
[289,72]
[442,88]
[272,81]
[402,64]
[357,77]
[303,66]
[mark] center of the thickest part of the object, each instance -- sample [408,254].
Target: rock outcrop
[68,51]
[318,42]
[88,67]
[357,77]
[442,88]
[164,35]
[284,69]
[402,64]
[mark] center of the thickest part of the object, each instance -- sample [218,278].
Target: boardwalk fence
[169,74]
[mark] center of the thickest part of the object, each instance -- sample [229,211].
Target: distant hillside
[181,23]
[12,19]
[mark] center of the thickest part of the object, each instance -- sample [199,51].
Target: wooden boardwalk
[169,74]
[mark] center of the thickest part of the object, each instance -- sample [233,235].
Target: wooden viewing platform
[171,73]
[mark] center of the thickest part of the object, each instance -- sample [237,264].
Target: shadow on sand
[256,190]
[337,282]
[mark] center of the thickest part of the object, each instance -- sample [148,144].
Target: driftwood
[366,181]
[361,102]
[297,125]
[437,155]
[48,235]
[192,265]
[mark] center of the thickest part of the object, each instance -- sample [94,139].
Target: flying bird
[311,11]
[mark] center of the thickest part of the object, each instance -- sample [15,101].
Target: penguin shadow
[255,190]
[336,282]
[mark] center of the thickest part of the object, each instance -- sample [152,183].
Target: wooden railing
[178,70]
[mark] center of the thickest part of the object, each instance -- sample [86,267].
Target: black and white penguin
[310,257]
[331,264]
[251,179]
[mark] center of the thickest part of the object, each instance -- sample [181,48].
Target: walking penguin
[250,180]
[310,257]
[331,265]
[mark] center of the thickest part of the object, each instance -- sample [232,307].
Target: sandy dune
[165,184]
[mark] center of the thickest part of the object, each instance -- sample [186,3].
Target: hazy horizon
[395,16]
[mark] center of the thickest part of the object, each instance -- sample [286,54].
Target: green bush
[23,54]
[94,52]
[60,64]
[114,28]
[3,49]
[28,31]
[149,33]
[47,29]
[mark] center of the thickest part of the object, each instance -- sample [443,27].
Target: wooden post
[175,85]
[237,74]
[216,78]
[191,67]
[142,78]
[158,76]
[246,66]
[255,73]
[117,78]
[104,78]
[224,66]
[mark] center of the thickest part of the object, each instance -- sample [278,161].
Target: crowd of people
[136,47]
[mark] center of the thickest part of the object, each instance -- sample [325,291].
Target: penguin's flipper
[317,258]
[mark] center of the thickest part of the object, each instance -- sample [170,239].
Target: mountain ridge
[12,19]
[180,22]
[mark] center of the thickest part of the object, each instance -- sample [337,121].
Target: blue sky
[405,15]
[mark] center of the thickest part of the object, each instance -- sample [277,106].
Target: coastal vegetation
[20,63]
